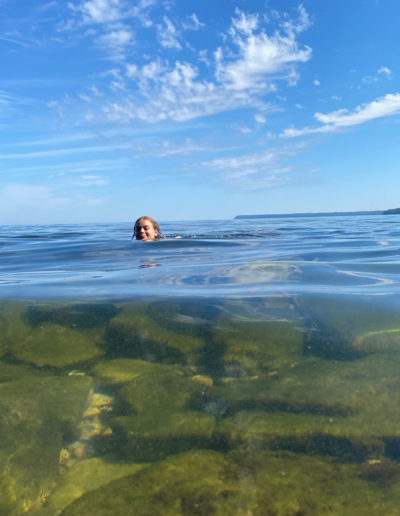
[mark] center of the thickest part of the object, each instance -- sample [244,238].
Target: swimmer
[147,229]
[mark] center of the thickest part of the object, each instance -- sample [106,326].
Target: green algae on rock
[36,414]
[159,391]
[153,436]
[255,347]
[210,483]
[73,315]
[134,334]
[80,479]
[55,345]
[123,370]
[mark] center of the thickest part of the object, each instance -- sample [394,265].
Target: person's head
[146,229]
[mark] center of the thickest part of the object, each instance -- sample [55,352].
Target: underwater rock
[383,472]
[122,370]
[317,405]
[10,372]
[153,436]
[159,391]
[339,329]
[36,416]
[204,482]
[252,348]
[75,315]
[54,345]
[83,477]
[188,317]
[133,334]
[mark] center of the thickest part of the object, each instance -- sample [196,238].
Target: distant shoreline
[318,214]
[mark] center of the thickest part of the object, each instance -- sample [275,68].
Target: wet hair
[153,222]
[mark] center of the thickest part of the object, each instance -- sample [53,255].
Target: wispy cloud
[64,151]
[383,71]
[91,180]
[192,23]
[99,11]
[168,34]
[255,170]
[258,56]
[243,72]
[116,40]
[389,105]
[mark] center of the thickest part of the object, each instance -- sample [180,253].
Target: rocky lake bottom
[276,405]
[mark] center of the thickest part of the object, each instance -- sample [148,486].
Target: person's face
[145,230]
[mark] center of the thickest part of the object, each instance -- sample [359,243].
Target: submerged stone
[202,483]
[252,348]
[55,345]
[75,315]
[153,436]
[36,415]
[159,391]
[134,334]
[83,477]
[122,370]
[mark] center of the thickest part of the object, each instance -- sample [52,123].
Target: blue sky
[110,109]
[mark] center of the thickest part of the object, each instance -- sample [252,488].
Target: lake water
[250,367]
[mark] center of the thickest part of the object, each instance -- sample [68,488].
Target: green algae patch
[55,345]
[379,341]
[243,482]
[255,347]
[153,436]
[73,315]
[122,370]
[83,477]
[316,401]
[159,392]
[12,325]
[314,435]
[194,480]
[36,413]
[10,372]
[134,334]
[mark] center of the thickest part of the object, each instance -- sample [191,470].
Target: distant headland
[319,214]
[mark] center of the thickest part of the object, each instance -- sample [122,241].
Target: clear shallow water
[249,368]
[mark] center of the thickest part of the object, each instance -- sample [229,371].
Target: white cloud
[316,82]
[193,23]
[91,180]
[260,118]
[260,56]
[389,105]
[99,11]
[369,79]
[383,106]
[245,70]
[117,38]
[239,74]
[168,34]
[385,71]
[255,170]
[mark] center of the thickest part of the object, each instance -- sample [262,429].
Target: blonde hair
[153,222]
